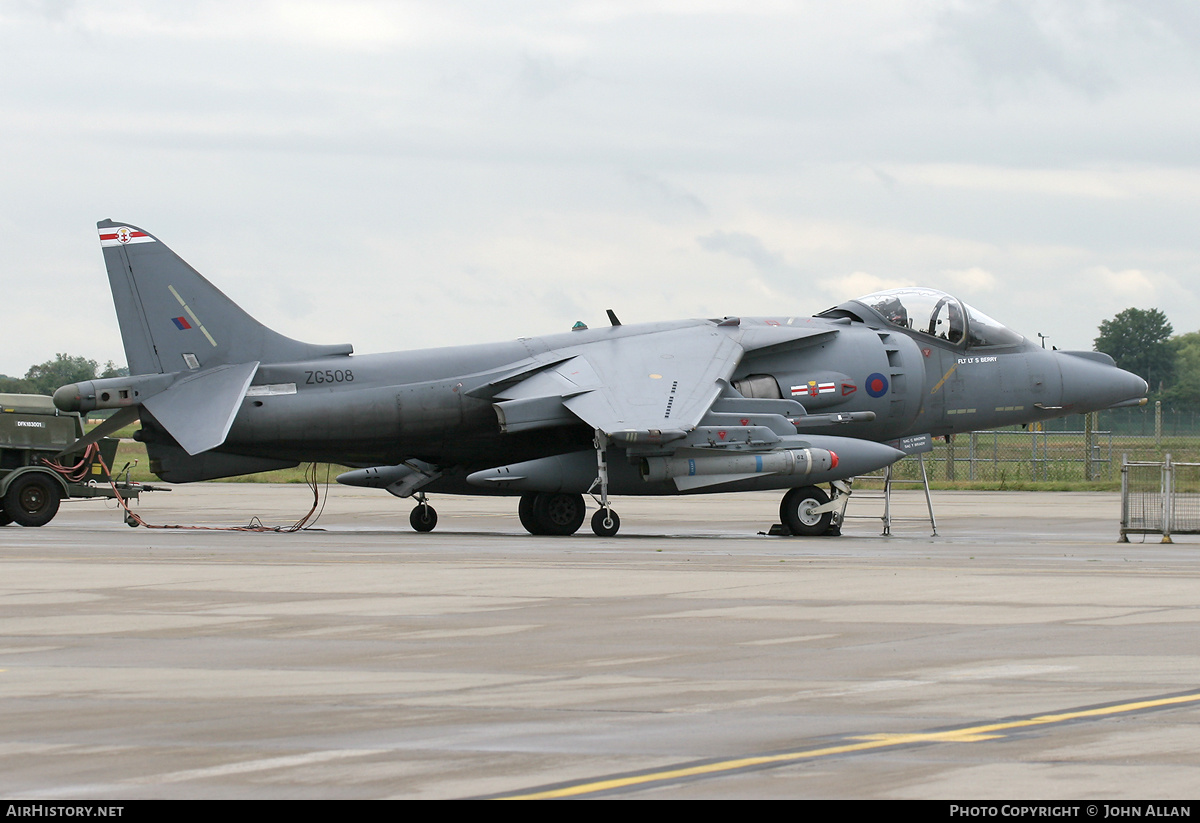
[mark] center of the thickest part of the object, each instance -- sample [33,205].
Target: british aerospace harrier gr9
[679,407]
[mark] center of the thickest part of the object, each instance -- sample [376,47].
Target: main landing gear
[541,513]
[561,513]
[551,513]
[807,511]
[558,513]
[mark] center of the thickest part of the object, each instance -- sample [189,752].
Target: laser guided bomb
[689,406]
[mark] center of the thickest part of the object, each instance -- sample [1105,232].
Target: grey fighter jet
[681,407]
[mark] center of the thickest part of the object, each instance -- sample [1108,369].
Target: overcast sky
[408,174]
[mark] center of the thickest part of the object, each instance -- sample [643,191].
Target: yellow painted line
[192,315]
[945,377]
[970,734]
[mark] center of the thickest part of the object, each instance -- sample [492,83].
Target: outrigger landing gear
[605,522]
[423,517]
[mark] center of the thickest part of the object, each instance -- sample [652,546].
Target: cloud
[1129,182]
[1022,41]
[542,76]
[480,170]
[665,197]
[746,247]
[860,284]
[973,279]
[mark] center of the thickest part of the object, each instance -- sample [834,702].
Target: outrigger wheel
[423,516]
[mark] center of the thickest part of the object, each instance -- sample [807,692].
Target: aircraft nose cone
[1090,384]
[1144,386]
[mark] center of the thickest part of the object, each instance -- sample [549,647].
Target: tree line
[44,378]
[1143,341]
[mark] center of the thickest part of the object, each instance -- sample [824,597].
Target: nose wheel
[796,511]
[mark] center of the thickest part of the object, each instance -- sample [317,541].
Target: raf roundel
[877,385]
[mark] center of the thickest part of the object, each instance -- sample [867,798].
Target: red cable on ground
[79,471]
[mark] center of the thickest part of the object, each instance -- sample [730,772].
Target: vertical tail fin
[172,319]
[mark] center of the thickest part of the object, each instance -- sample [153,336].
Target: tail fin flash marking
[123,235]
[191,314]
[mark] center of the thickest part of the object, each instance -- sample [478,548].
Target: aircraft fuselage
[366,410]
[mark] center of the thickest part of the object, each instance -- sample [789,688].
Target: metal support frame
[887,496]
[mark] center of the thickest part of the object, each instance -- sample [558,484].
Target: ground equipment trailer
[32,483]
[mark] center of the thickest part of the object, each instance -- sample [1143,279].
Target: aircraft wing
[642,388]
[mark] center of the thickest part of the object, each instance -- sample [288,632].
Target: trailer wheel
[32,499]
[4,518]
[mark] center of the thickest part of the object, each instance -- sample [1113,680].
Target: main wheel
[558,513]
[795,511]
[601,530]
[525,513]
[423,518]
[32,499]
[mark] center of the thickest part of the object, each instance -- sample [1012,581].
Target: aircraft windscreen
[984,331]
[937,314]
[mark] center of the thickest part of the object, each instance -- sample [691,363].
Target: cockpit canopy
[933,313]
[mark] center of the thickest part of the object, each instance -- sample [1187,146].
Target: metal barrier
[1159,498]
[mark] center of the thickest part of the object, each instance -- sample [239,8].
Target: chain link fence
[1080,448]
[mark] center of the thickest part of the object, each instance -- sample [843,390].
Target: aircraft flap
[663,383]
[198,409]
